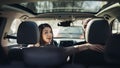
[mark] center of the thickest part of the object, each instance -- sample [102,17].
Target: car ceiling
[69,15]
[20,1]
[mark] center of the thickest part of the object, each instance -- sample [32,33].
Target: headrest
[44,56]
[28,33]
[97,31]
[112,50]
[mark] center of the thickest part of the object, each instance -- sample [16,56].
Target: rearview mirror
[65,23]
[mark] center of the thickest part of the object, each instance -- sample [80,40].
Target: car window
[116,26]
[13,31]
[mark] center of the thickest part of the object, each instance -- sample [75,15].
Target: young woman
[46,35]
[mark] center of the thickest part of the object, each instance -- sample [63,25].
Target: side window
[13,31]
[116,26]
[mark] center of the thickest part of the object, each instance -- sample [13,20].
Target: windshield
[64,6]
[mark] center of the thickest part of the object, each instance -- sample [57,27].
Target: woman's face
[47,35]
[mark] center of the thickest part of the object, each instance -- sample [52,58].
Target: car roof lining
[20,1]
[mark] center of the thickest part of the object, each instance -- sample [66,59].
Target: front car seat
[97,32]
[28,33]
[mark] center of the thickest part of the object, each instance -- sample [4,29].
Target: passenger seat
[97,32]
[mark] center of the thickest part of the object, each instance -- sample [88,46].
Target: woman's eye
[46,32]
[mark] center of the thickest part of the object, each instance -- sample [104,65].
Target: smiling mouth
[49,38]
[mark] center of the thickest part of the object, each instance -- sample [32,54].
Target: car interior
[19,21]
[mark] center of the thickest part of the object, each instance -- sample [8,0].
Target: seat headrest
[97,31]
[112,50]
[44,56]
[28,33]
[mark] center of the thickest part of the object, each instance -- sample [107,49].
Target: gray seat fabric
[44,57]
[97,32]
[47,57]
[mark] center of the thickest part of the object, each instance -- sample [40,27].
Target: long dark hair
[41,27]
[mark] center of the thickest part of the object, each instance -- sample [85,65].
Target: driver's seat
[28,33]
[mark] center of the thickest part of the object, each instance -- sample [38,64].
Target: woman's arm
[77,48]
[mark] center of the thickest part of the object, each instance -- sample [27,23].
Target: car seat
[112,49]
[97,32]
[28,33]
